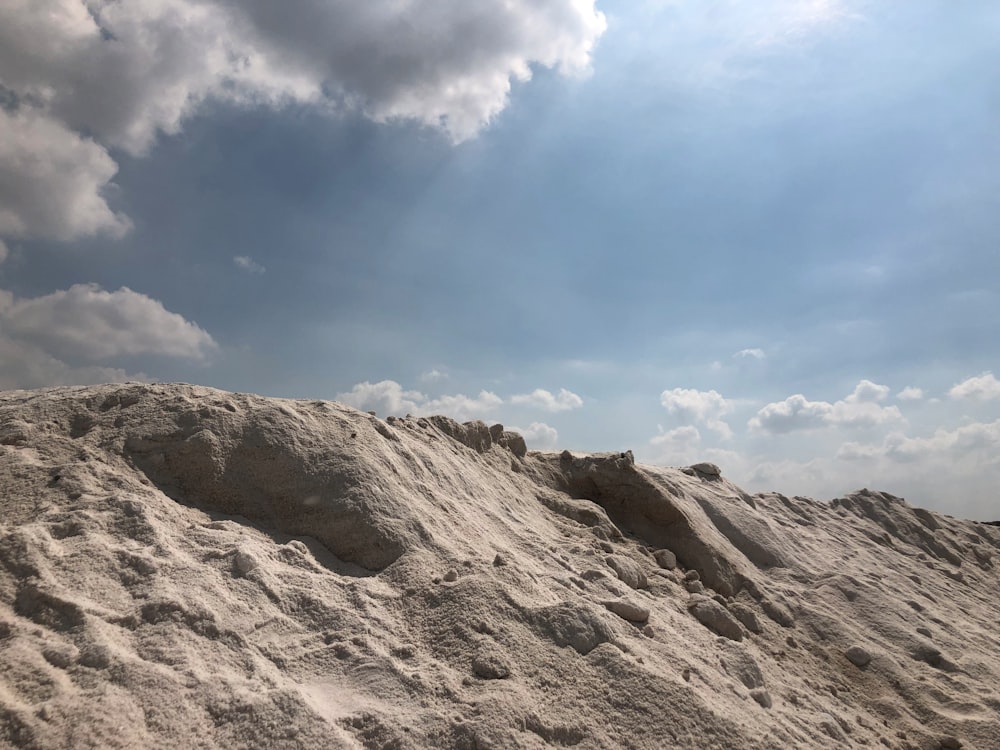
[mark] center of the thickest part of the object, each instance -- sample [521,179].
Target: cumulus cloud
[463,407]
[705,407]
[248,264]
[979,438]
[53,181]
[86,323]
[64,338]
[977,443]
[982,387]
[123,72]
[387,397]
[862,408]
[750,354]
[25,365]
[563,401]
[910,393]
[794,413]
[679,438]
[539,436]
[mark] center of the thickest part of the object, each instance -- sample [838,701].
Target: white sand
[187,568]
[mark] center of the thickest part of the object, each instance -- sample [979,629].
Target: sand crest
[186,567]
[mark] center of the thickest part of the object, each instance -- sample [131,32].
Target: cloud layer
[703,407]
[81,79]
[69,336]
[862,408]
[387,397]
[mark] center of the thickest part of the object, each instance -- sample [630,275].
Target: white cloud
[677,439]
[750,354]
[248,264]
[980,439]
[539,436]
[794,413]
[705,407]
[867,392]
[24,365]
[982,387]
[910,393]
[52,180]
[563,401]
[433,376]
[90,324]
[462,407]
[387,397]
[123,72]
[862,408]
[977,439]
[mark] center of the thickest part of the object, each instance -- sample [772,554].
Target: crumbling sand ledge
[186,567]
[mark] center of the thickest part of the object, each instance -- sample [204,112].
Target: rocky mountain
[186,567]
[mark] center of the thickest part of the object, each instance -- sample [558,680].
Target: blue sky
[761,234]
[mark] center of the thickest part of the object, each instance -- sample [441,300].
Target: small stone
[665,559]
[746,616]
[490,665]
[924,632]
[649,631]
[61,656]
[831,727]
[716,618]
[95,656]
[948,742]
[628,571]
[707,469]
[499,561]
[244,562]
[692,575]
[778,612]
[858,656]
[451,575]
[762,697]
[627,610]
[694,587]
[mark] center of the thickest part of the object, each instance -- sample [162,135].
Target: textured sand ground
[185,567]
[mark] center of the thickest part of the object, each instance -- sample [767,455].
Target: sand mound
[185,567]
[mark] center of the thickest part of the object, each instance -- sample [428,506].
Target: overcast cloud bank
[79,81]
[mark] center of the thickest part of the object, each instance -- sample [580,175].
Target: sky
[762,234]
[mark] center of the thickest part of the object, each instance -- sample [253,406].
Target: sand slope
[186,567]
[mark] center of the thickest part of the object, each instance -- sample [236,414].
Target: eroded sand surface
[189,568]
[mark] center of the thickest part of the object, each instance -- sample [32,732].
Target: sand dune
[185,567]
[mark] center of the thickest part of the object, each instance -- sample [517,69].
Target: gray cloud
[52,180]
[122,72]
[248,264]
[88,324]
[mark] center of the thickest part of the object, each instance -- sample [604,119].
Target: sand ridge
[181,565]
